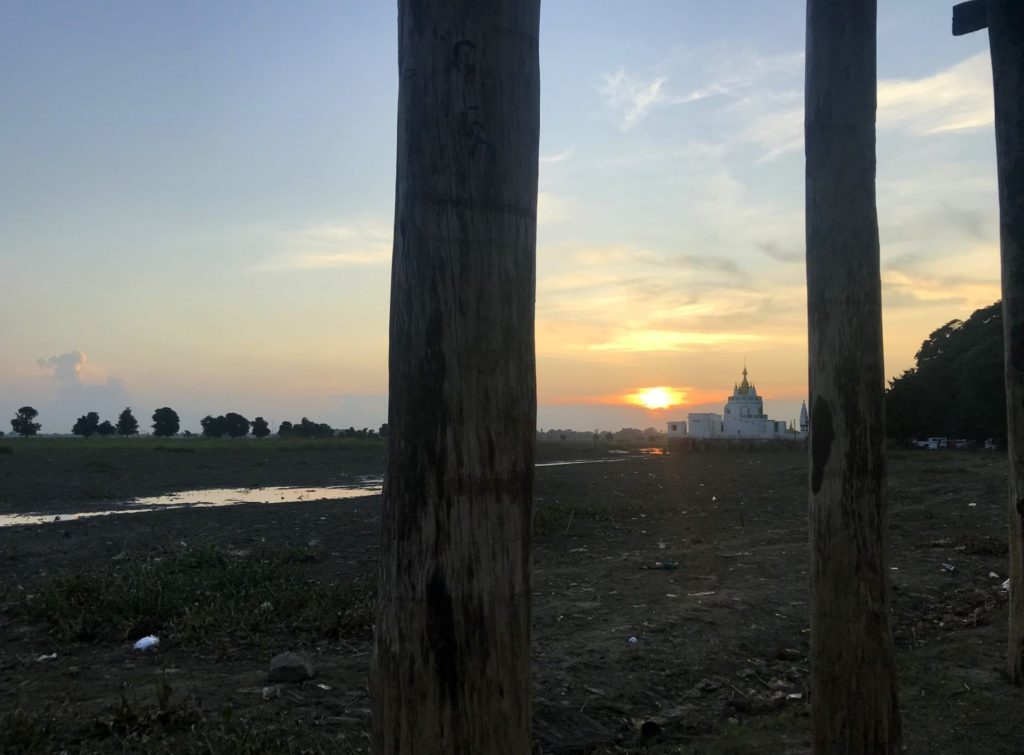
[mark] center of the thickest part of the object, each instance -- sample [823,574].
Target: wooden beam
[1006,41]
[853,671]
[969,17]
[452,665]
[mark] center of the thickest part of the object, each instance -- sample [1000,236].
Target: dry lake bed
[670,598]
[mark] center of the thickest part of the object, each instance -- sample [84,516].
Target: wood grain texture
[852,665]
[451,669]
[1006,39]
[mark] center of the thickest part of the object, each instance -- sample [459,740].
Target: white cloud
[956,99]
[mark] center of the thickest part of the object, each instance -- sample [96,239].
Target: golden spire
[744,386]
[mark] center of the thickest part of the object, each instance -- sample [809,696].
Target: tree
[285,429]
[853,680]
[22,423]
[126,423]
[86,424]
[165,422]
[451,668]
[956,388]
[260,428]
[105,428]
[235,425]
[213,427]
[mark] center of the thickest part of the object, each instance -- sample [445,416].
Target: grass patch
[550,517]
[199,594]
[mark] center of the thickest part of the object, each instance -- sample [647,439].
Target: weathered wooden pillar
[1006,39]
[853,684]
[1005,22]
[451,670]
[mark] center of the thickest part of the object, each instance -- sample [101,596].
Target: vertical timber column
[1006,39]
[451,671]
[853,684]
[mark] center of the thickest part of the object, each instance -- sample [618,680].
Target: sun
[658,397]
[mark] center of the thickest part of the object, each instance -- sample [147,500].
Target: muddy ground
[701,557]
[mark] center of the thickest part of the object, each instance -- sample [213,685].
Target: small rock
[289,667]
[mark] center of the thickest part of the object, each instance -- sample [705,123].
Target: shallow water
[365,486]
[211,497]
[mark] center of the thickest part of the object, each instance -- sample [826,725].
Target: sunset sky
[196,204]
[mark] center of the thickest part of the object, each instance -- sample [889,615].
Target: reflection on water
[578,461]
[211,497]
[234,496]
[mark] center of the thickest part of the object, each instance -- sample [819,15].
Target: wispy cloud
[956,99]
[634,99]
[331,245]
[558,157]
[667,340]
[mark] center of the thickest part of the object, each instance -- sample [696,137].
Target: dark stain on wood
[440,636]
[822,435]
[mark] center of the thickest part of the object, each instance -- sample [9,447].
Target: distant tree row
[166,424]
[89,424]
[956,388]
[625,435]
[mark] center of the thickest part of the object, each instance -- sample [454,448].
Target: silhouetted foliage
[957,389]
[383,432]
[305,429]
[22,423]
[127,424]
[351,432]
[236,425]
[106,428]
[86,425]
[260,428]
[165,422]
[230,424]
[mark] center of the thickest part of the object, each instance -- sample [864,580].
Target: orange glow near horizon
[657,397]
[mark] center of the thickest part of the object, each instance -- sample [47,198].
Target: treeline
[166,423]
[956,387]
[625,435]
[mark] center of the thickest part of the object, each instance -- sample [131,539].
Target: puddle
[208,498]
[580,461]
[236,496]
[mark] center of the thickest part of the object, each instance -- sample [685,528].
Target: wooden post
[1005,22]
[1006,40]
[451,668]
[853,681]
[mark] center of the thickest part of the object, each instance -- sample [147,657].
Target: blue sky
[196,199]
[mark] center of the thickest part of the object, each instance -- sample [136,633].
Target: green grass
[199,595]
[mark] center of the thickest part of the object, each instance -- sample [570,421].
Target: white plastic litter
[1006,584]
[149,642]
[993,575]
[633,640]
[49,657]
